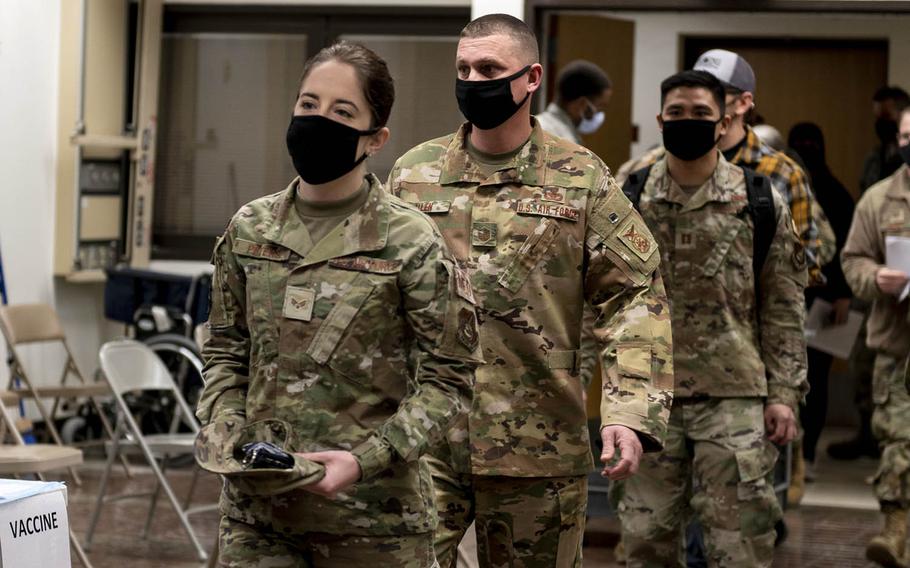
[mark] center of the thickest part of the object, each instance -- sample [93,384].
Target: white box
[34,529]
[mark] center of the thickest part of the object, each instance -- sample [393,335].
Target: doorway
[826,81]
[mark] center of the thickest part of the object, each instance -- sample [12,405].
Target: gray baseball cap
[729,68]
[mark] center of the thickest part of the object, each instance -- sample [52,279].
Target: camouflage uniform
[790,180]
[547,231]
[317,343]
[733,353]
[883,211]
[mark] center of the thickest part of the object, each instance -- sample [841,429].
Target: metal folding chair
[131,367]
[38,323]
[20,458]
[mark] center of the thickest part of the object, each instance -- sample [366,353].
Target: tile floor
[831,528]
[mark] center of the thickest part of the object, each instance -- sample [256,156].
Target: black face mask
[487,104]
[886,130]
[904,151]
[690,139]
[323,150]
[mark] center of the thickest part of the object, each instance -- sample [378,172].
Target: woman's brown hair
[377,83]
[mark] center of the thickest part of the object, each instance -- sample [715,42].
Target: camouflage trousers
[521,522]
[716,463]
[247,546]
[891,427]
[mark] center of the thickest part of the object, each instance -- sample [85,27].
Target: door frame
[536,11]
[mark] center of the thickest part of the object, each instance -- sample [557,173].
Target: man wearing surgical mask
[541,229]
[738,347]
[881,162]
[583,93]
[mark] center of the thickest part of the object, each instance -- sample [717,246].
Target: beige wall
[658,45]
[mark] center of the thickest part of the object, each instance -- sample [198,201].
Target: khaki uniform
[547,231]
[323,339]
[883,211]
[733,353]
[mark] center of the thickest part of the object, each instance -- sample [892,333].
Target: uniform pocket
[529,255]
[882,376]
[759,507]
[323,346]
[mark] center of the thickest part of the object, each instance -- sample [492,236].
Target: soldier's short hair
[695,79]
[377,83]
[511,26]
[581,78]
[892,93]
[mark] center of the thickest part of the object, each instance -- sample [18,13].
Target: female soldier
[326,300]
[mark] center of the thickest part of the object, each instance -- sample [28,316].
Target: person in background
[883,212]
[807,141]
[884,159]
[338,334]
[739,350]
[881,162]
[583,91]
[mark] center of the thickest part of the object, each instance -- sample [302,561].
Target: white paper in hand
[897,253]
[823,335]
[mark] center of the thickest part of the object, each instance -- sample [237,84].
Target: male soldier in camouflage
[738,347]
[541,227]
[742,147]
[883,212]
[342,332]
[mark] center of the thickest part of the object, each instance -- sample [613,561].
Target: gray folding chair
[131,367]
[37,459]
[38,323]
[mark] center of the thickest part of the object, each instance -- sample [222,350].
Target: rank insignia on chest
[557,194]
[467,328]
[685,239]
[483,234]
[298,303]
[635,236]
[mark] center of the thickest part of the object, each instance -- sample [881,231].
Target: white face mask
[590,125]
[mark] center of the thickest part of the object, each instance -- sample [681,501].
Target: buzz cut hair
[504,24]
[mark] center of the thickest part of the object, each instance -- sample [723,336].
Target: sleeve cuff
[231,401]
[650,441]
[784,395]
[373,456]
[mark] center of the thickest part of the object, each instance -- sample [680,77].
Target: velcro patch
[298,303]
[557,194]
[467,329]
[260,250]
[463,285]
[540,208]
[483,234]
[367,264]
[637,238]
[431,207]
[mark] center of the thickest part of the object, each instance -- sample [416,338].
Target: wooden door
[609,43]
[828,82]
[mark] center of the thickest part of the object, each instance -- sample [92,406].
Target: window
[229,78]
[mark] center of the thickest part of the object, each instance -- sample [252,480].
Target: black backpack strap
[764,219]
[635,184]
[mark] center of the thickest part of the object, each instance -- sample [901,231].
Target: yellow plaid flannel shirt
[787,178]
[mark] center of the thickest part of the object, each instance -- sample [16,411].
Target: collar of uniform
[525,168]
[900,184]
[724,186]
[751,152]
[562,116]
[366,229]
